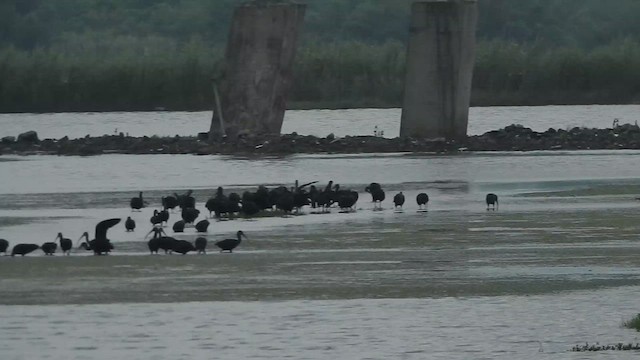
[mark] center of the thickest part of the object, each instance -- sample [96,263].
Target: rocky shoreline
[510,138]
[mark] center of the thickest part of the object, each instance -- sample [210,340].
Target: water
[555,266]
[509,327]
[312,122]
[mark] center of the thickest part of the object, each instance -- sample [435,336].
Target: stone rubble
[510,138]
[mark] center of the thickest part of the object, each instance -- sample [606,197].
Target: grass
[633,323]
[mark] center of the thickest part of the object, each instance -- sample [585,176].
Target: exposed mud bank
[511,138]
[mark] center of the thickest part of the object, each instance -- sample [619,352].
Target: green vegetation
[70,55]
[633,323]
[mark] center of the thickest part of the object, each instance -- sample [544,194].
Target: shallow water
[508,327]
[312,122]
[555,266]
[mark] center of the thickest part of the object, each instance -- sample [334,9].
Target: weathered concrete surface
[440,64]
[258,69]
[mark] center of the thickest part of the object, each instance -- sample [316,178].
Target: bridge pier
[440,62]
[257,70]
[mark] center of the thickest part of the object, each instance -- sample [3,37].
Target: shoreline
[326,105]
[510,138]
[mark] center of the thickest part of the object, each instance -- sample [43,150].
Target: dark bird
[398,200]
[492,199]
[65,244]
[301,196]
[234,203]
[324,199]
[261,198]
[137,203]
[186,201]
[201,245]
[155,219]
[4,245]
[179,226]
[422,199]
[189,215]
[23,249]
[49,248]
[202,226]
[153,244]
[219,204]
[160,241]
[250,205]
[377,194]
[230,244]
[249,208]
[100,245]
[163,215]
[169,202]
[212,206]
[313,196]
[182,247]
[346,198]
[130,224]
[283,198]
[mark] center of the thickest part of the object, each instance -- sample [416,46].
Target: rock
[510,138]
[8,140]
[203,136]
[29,136]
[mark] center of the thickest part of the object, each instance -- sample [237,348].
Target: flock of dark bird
[279,200]
[609,347]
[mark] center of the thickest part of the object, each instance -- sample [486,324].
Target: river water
[557,265]
[312,122]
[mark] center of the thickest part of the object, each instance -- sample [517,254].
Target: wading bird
[155,219]
[4,244]
[179,226]
[189,215]
[129,224]
[65,244]
[202,226]
[186,201]
[249,207]
[219,204]
[398,200]
[230,244]
[182,247]
[163,215]
[492,199]
[100,245]
[49,248]
[23,249]
[377,194]
[160,240]
[201,245]
[346,199]
[422,199]
[323,199]
[169,202]
[137,203]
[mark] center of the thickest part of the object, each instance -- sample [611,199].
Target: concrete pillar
[257,71]
[440,63]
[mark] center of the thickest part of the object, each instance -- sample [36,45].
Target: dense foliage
[27,24]
[141,54]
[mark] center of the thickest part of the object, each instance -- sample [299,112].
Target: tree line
[329,76]
[30,24]
[98,55]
